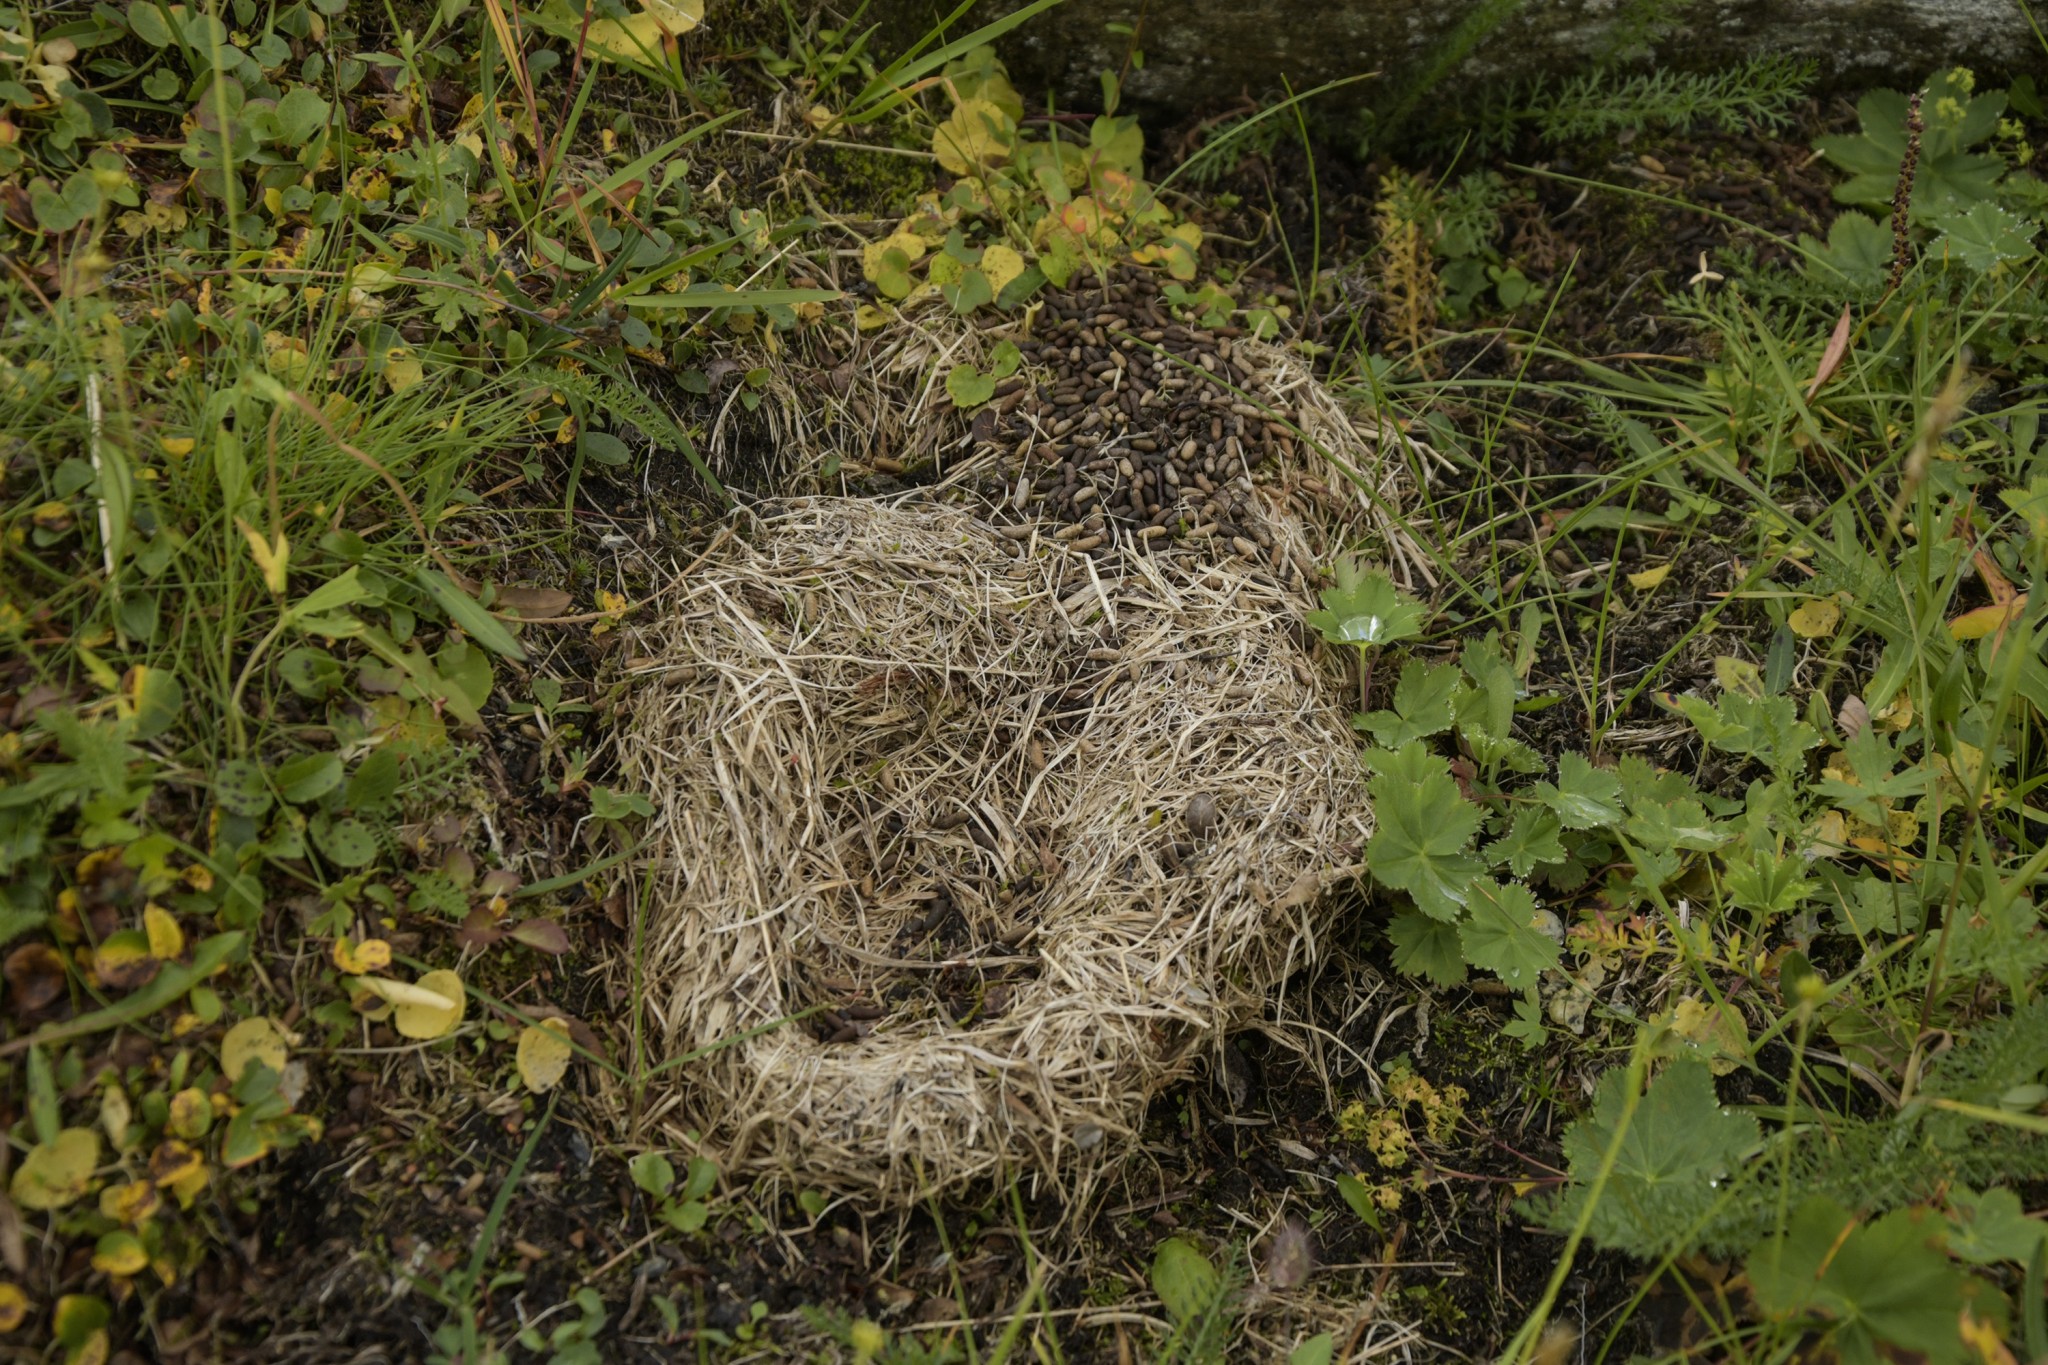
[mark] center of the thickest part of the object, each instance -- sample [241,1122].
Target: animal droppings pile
[1129,428]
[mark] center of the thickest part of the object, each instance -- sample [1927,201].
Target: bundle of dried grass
[1014,830]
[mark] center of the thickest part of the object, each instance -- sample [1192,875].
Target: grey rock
[1203,54]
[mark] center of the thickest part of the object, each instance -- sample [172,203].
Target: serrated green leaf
[1877,1290]
[1987,1228]
[1427,948]
[1532,839]
[1502,933]
[1425,826]
[1583,796]
[1680,1144]
[1422,705]
[1366,609]
[1983,237]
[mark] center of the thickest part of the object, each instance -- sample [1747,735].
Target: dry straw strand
[938,782]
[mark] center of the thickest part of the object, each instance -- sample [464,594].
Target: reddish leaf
[480,930]
[532,602]
[35,978]
[1831,358]
[543,934]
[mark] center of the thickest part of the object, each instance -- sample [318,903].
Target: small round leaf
[544,1054]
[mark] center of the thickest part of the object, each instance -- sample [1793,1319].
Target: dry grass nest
[1004,831]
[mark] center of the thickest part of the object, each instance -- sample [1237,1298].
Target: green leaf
[1987,1228]
[1679,1146]
[1004,359]
[146,21]
[1882,1289]
[604,448]
[239,788]
[969,294]
[301,115]
[1766,728]
[652,1172]
[1858,247]
[1767,883]
[307,778]
[1984,237]
[159,703]
[1427,948]
[1118,142]
[1360,1199]
[1366,609]
[1184,1280]
[1422,705]
[1503,933]
[464,610]
[1527,1027]
[1584,796]
[1425,826]
[311,673]
[1532,839]
[374,781]
[969,387]
[346,842]
[700,1178]
[1319,1349]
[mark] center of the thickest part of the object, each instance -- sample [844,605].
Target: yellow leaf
[191,1113]
[177,447]
[166,939]
[402,369]
[1815,619]
[544,1054]
[1975,625]
[1001,264]
[13,1306]
[123,961]
[252,1040]
[874,263]
[130,1204]
[677,16]
[174,1166]
[978,133]
[115,1116]
[119,1253]
[94,1350]
[868,316]
[55,1173]
[1717,1030]
[1649,578]
[273,560]
[371,955]
[634,39]
[426,1009]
